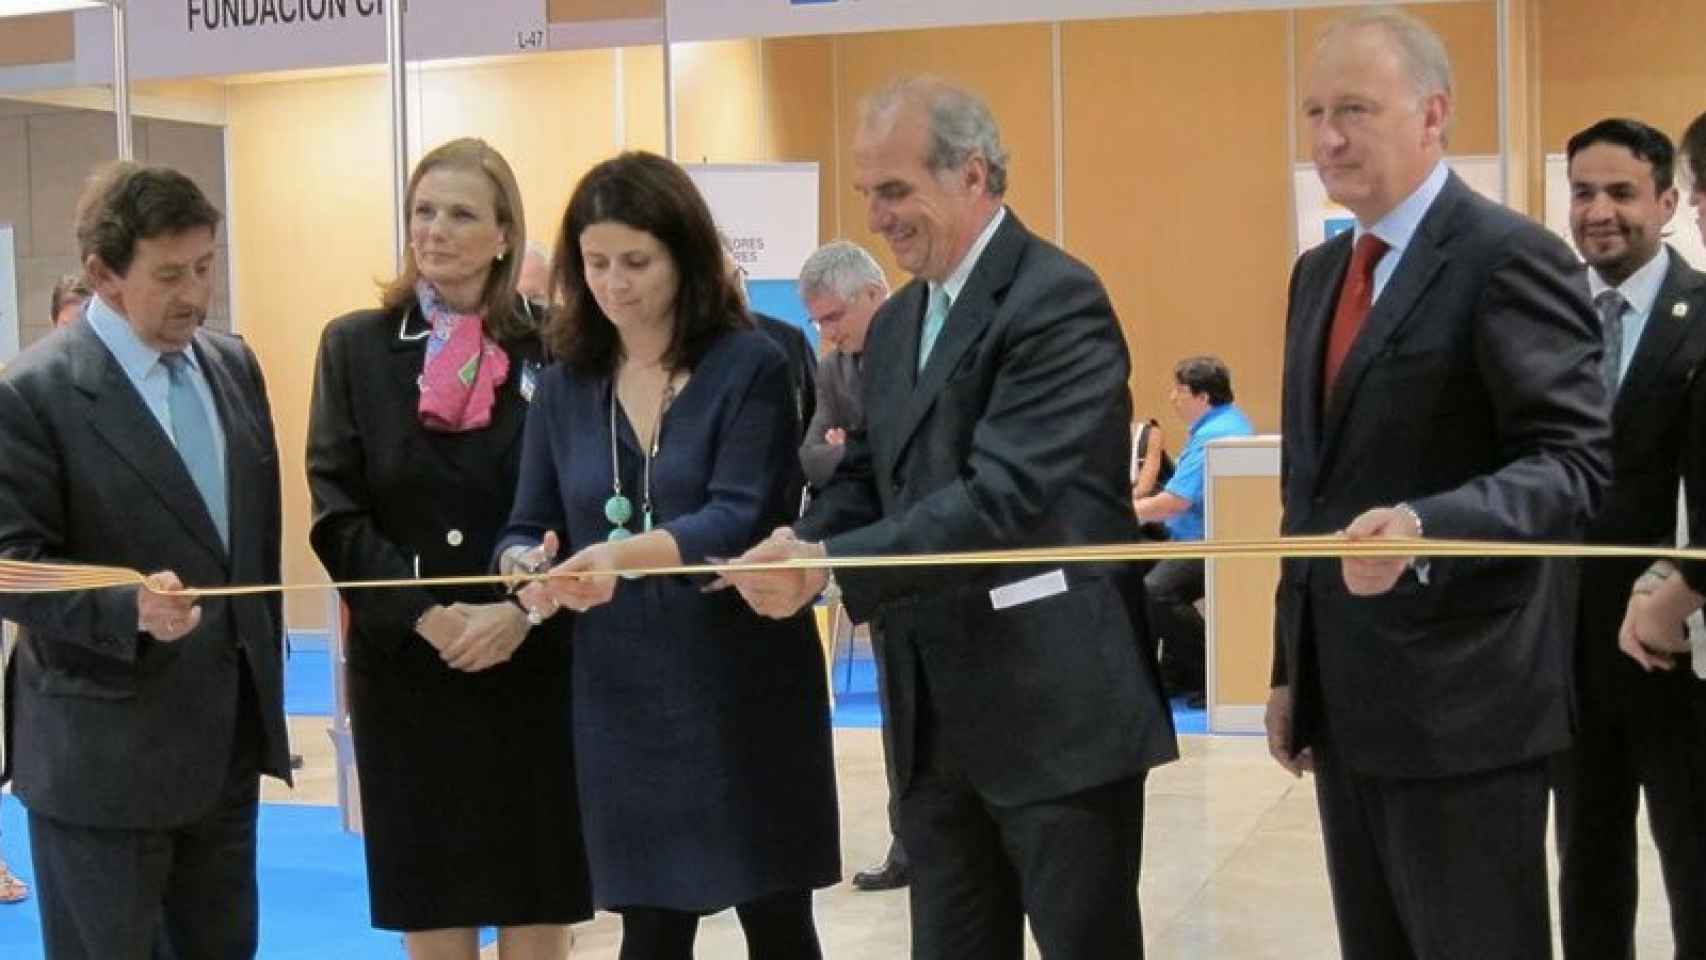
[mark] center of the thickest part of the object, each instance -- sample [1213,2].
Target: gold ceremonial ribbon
[17,576]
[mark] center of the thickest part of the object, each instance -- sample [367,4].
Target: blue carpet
[1187,719]
[313,890]
[308,682]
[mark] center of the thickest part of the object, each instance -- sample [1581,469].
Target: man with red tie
[1442,376]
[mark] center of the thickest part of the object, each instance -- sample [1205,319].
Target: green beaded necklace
[618,509]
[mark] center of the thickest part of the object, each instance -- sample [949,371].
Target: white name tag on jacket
[1029,589]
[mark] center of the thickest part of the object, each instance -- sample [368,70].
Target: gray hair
[841,268]
[1421,49]
[960,125]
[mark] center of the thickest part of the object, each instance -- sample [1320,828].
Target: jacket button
[454,538]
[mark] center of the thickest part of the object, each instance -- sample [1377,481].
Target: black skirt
[468,793]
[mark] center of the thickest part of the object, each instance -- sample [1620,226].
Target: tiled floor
[1232,867]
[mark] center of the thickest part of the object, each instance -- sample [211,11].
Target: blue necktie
[193,435]
[935,315]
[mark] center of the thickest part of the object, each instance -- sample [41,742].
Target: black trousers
[1173,588]
[777,926]
[1651,741]
[1439,869]
[185,893]
[1068,864]
[897,849]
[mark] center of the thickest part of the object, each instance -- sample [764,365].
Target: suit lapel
[1310,342]
[888,374]
[121,418]
[968,317]
[1421,263]
[1660,337]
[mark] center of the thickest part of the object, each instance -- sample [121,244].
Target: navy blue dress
[701,729]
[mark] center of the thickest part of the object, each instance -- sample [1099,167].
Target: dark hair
[649,193]
[70,287]
[126,202]
[497,302]
[1205,375]
[1645,142]
[1693,149]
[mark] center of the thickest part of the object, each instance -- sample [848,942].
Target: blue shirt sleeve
[1187,479]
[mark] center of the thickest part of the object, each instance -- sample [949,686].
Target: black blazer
[1473,394]
[112,728]
[445,496]
[1015,434]
[1649,423]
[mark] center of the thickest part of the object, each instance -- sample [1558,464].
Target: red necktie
[1355,297]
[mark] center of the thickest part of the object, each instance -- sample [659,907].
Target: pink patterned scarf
[463,369]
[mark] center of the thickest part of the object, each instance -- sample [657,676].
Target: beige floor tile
[1233,867]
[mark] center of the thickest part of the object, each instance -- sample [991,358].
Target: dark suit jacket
[113,728]
[802,379]
[370,523]
[1474,394]
[1016,434]
[838,405]
[1648,426]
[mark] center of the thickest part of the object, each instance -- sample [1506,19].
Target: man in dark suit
[142,720]
[1442,374]
[1021,707]
[1636,732]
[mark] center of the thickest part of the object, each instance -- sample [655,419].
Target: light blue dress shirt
[141,364]
[1398,227]
[956,280]
[1639,292]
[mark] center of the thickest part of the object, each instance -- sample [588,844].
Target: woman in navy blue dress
[666,436]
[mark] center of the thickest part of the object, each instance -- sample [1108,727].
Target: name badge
[1028,590]
[529,379]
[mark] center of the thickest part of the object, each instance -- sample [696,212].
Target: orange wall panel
[642,98]
[799,87]
[719,102]
[39,38]
[1009,65]
[1183,212]
[1644,59]
[571,11]
[1471,34]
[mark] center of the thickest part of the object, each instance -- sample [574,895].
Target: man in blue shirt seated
[1201,397]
